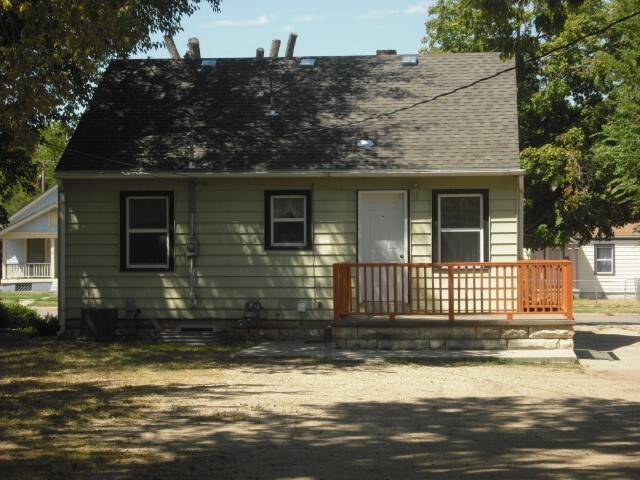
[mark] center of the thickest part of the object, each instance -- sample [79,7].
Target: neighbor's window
[460,221]
[604,259]
[146,230]
[288,219]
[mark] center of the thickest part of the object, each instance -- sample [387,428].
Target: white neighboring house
[30,245]
[603,268]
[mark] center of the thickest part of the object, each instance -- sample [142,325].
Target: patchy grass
[43,299]
[52,356]
[53,393]
[585,305]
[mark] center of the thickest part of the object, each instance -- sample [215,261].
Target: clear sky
[324,27]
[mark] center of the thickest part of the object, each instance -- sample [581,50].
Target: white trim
[10,281]
[165,231]
[39,197]
[520,218]
[18,235]
[288,173]
[302,219]
[599,261]
[28,219]
[479,230]
[62,261]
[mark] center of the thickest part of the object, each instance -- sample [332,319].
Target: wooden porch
[451,290]
[488,305]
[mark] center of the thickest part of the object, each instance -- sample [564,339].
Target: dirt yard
[110,412]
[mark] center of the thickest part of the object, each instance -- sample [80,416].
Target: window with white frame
[288,219]
[460,225]
[146,231]
[604,262]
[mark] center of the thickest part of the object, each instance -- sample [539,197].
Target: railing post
[522,293]
[567,285]
[336,292]
[341,290]
[450,289]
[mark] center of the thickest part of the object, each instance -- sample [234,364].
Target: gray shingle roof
[138,119]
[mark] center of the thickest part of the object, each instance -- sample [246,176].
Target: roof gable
[45,203]
[631,230]
[138,119]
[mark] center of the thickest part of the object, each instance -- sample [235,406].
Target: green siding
[233,265]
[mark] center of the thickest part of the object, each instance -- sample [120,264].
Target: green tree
[54,139]
[619,143]
[51,55]
[562,103]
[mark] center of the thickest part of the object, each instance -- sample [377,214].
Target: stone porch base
[554,333]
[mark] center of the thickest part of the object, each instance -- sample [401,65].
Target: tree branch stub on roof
[171,46]
[275,48]
[194,49]
[291,44]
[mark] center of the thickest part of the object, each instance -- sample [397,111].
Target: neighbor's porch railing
[28,270]
[450,289]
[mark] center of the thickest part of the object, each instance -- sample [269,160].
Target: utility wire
[97,158]
[480,80]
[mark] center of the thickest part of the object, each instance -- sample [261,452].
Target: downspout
[61,260]
[520,197]
[193,246]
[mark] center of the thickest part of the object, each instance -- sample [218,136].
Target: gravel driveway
[306,419]
[294,419]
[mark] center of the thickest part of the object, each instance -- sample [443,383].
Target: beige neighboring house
[333,190]
[29,246]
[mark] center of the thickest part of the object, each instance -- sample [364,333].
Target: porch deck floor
[299,349]
[460,320]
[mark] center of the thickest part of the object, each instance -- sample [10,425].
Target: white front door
[383,225]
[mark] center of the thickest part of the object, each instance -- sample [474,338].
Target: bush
[4,316]
[15,315]
[46,327]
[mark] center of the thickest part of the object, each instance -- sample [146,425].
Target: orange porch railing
[450,289]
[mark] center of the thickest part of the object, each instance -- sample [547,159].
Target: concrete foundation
[145,329]
[476,334]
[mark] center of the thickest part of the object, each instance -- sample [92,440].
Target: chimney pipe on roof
[291,44]
[194,49]
[171,46]
[275,47]
[381,53]
[260,53]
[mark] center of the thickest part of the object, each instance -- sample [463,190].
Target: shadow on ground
[199,436]
[590,345]
[99,427]
[585,340]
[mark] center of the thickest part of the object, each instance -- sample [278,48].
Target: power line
[553,51]
[480,80]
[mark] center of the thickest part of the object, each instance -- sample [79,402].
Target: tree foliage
[619,143]
[54,139]
[564,102]
[51,55]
